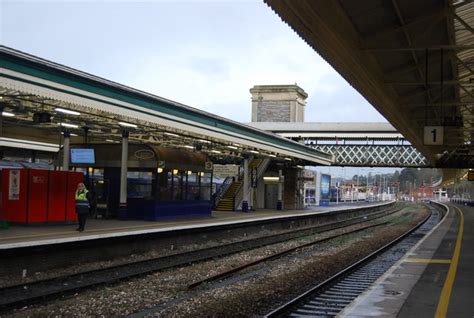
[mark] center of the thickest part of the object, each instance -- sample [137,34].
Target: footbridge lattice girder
[375,155]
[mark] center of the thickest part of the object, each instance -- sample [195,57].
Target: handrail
[222,190]
[238,195]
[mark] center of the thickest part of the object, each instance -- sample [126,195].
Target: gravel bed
[252,296]
[6,281]
[84,267]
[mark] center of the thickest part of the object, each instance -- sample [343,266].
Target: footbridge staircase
[230,195]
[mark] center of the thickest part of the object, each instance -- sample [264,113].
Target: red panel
[73,179]
[14,207]
[37,195]
[57,196]
[2,181]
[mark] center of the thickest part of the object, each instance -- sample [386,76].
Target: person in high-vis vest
[82,205]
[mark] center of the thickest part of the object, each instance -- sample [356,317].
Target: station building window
[206,183]
[139,184]
[192,189]
[161,184]
[176,185]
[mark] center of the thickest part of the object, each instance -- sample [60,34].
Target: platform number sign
[433,135]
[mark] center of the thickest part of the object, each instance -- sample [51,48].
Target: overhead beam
[427,16]
[453,47]
[450,82]
[467,26]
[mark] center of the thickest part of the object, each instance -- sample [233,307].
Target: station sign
[208,165]
[14,185]
[222,171]
[254,177]
[433,135]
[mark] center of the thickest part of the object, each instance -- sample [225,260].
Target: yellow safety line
[428,260]
[449,282]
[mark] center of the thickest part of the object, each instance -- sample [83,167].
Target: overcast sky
[205,54]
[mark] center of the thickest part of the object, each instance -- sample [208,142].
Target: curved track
[330,297]
[34,292]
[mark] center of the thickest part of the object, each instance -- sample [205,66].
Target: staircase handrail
[238,195]
[222,190]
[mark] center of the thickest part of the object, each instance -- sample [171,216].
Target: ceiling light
[254,151]
[68,125]
[72,135]
[188,146]
[232,147]
[67,111]
[7,114]
[109,140]
[171,134]
[298,166]
[286,158]
[204,140]
[271,179]
[273,156]
[215,151]
[121,123]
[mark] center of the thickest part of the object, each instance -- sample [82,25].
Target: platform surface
[19,236]
[435,279]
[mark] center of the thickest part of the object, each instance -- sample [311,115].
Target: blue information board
[82,156]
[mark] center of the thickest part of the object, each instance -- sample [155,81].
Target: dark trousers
[82,220]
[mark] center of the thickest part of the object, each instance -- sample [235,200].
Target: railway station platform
[30,236]
[435,279]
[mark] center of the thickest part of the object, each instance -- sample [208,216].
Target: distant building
[278,103]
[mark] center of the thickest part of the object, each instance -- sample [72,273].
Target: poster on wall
[14,185]
[222,171]
[324,192]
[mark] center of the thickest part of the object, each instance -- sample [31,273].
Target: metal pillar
[280,177]
[86,135]
[123,171]
[245,188]
[66,149]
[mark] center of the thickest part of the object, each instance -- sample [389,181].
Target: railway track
[330,297]
[20,295]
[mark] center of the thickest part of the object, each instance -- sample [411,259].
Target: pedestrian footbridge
[352,144]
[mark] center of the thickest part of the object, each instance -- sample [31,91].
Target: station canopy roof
[412,60]
[40,99]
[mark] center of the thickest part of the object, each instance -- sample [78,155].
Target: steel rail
[278,255]
[286,309]
[29,293]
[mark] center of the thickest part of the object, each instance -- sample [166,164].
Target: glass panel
[178,185]
[205,191]
[193,187]
[139,184]
[165,185]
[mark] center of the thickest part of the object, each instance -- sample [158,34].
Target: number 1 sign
[433,135]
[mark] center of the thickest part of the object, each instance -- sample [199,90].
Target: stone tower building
[278,103]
